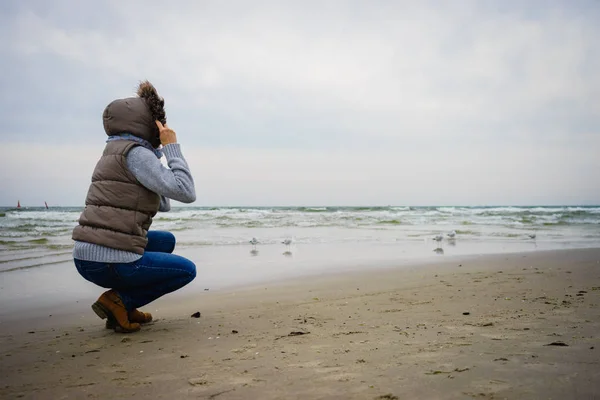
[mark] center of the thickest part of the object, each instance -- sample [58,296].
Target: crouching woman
[113,245]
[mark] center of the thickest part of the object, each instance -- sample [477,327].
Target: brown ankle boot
[140,316]
[109,306]
[134,316]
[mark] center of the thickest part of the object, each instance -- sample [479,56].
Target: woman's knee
[161,241]
[169,238]
[190,269]
[192,272]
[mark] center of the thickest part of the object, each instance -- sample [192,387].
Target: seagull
[531,235]
[438,238]
[287,242]
[451,235]
[254,242]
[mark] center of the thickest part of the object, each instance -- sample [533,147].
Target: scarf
[128,136]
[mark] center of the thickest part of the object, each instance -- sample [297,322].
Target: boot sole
[100,310]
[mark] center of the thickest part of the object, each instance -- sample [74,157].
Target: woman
[113,247]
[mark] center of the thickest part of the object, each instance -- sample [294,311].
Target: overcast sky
[313,102]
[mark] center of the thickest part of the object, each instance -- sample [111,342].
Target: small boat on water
[18,204]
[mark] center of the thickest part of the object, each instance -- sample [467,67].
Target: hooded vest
[118,209]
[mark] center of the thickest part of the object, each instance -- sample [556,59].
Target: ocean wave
[390,222]
[376,216]
[24,242]
[313,209]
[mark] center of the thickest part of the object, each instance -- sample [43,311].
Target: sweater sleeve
[175,182]
[165,204]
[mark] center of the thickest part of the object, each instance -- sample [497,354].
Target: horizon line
[348,206]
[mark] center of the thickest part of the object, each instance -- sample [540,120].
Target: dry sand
[519,326]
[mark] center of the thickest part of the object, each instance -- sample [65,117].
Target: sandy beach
[510,326]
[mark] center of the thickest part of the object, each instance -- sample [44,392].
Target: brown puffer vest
[118,209]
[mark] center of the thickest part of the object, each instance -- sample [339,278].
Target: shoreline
[72,293]
[73,307]
[400,331]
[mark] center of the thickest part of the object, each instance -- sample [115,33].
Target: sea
[39,237]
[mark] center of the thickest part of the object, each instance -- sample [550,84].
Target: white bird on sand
[438,238]
[254,242]
[452,234]
[287,242]
[531,235]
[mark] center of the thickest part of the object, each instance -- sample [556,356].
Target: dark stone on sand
[561,344]
[183,356]
[196,315]
[501,359]
[592,348]
[388,396]
[298,333]
[293,333]
[466,313]
[234,331]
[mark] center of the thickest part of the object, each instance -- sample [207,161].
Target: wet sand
[515,326]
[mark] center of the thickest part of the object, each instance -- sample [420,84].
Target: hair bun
[155,103]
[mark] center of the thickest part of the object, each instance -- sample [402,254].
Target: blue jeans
[157,273]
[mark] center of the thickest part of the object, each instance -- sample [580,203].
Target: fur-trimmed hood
[136,115]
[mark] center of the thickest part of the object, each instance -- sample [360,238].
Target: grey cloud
[385,70]
[423,77]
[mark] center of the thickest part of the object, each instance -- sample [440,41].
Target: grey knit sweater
[175,183]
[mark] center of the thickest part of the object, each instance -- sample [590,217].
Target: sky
[313,103]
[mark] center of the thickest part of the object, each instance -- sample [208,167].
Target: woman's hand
[166,134]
